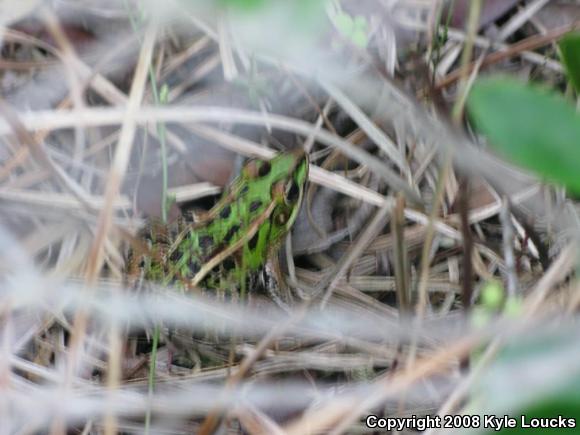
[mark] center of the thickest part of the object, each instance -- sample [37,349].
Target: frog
[223,248]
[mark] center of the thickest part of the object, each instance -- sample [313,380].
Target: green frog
[230,243]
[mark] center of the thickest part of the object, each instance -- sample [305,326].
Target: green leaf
[570,53]
[530,126]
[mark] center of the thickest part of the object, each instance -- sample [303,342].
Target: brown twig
[467,265]
[527,44]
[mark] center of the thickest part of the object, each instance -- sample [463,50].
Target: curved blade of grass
[530,126]
[570,54]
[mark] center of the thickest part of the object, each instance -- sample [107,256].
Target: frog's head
[289,174]
[293,169]
[280,182]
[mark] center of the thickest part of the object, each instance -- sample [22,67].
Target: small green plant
[493,301]
[570,53]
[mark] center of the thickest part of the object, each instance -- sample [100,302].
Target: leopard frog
[234,239]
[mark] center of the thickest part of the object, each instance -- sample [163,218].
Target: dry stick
[117,172]
[557,271]
[113,375]
[466,261]
[519,19]
[425,257]
[508,249]
[8,166]
[211,421]
[254,421]
[359,117]
[356,250]
[401,256]
[118,169]
[68,55]
[530,43]
[185,114]
[464,71]
[122,155]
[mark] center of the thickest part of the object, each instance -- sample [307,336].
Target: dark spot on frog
[231,232]
[292,193]
[225,213]
[229,264]
[188,218]
[254,241]
[175,256]
[212,275]
[244,190]
[193,266]
[264,169]
[255,205]
[205,243]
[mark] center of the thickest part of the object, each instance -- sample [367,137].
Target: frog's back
[252,218]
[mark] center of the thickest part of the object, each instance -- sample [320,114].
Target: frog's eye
[257,168]
[292,192]
[264,169]
[229,264]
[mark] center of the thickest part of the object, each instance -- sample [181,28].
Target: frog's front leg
[272,281]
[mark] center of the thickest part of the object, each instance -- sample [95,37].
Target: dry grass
[403,205]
